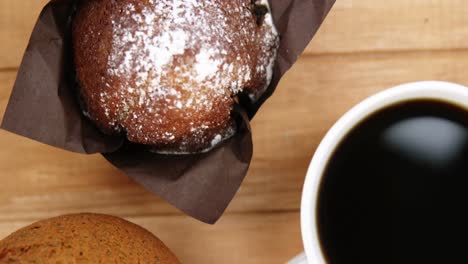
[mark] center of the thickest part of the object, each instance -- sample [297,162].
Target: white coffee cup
[448,92]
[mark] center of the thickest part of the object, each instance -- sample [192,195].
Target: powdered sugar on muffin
[172,68]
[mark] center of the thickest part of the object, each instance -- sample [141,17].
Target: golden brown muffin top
[85,239]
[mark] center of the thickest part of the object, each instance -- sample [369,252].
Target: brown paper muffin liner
[43,106]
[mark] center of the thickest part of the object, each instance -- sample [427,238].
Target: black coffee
[396,190]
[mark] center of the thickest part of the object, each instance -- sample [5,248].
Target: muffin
[167,73]
[84,238]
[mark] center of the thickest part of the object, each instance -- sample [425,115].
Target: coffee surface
[396,189]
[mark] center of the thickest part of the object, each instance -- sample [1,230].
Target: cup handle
[299,259]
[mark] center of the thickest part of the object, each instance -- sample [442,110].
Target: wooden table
[364,47]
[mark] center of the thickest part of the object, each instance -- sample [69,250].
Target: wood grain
[17,19]
[380,25]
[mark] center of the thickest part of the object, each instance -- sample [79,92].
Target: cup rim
[445,91]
